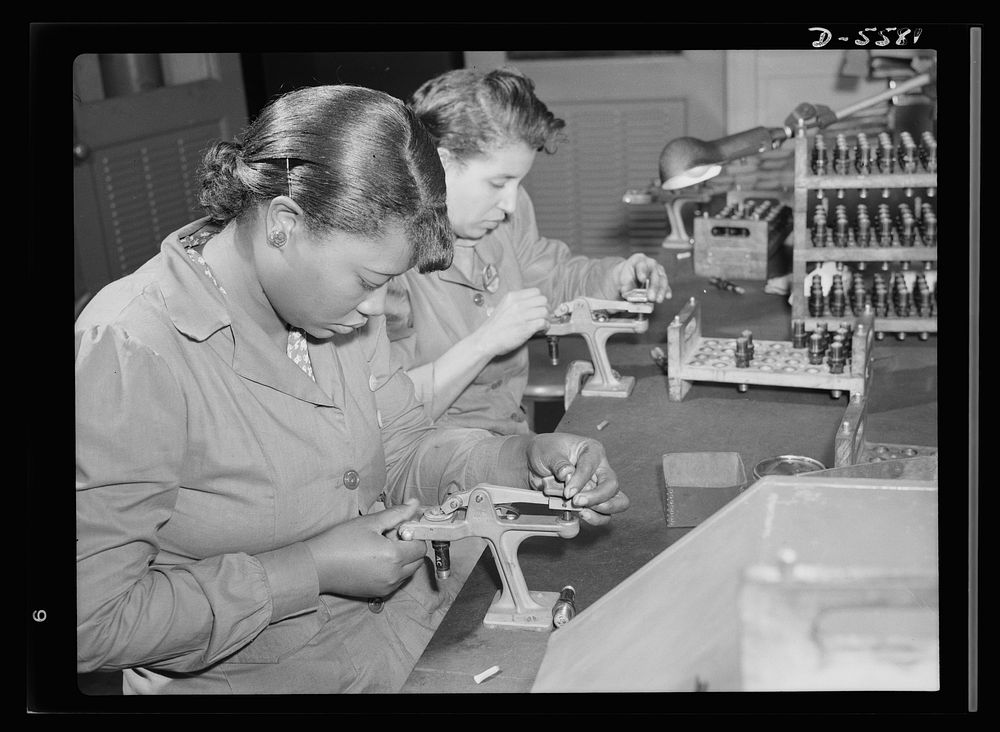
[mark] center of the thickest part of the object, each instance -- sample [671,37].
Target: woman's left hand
[579,463]
[636,271]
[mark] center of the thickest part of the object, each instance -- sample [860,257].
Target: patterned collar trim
[297,348]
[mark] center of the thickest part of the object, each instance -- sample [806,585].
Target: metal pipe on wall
[130,73]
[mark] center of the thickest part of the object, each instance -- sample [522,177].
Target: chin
[472,231]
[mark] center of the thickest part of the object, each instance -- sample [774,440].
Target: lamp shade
[687,161]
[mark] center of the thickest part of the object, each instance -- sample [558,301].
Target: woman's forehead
[511,157]
[387,254]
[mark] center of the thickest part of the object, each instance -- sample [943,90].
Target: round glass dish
[786,465]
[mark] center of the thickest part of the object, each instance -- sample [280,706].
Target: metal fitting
[564,609]
[442,559]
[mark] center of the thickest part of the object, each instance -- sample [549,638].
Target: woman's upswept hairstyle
[470,112]
[355,160]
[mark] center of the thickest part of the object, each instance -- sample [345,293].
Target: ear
[283,214]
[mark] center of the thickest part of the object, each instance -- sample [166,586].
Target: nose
[508,199]
[374,304]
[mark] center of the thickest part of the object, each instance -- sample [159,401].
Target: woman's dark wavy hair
[470,112]
[355,160]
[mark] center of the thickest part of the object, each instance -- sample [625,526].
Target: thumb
[392,517]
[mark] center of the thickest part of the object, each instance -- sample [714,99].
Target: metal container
[786,465]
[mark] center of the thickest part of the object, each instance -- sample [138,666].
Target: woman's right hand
[364,557]
[520,314]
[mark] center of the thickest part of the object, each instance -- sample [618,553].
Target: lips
[344,328]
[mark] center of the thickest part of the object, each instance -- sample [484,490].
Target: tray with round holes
[774,363]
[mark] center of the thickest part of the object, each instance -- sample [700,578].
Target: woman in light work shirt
[246,447]
[461,333]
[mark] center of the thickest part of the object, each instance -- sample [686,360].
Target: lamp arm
[915,83]
[808,115]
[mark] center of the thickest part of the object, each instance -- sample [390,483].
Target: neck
[230,257]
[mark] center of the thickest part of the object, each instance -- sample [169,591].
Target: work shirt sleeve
[130,610]
[403,339]
[422,460]
[551,266]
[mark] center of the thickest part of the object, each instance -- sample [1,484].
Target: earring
[277,238]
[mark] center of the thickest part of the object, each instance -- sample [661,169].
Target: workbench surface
[762,422]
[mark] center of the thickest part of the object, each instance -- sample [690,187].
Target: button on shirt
[205,457]
[429,313]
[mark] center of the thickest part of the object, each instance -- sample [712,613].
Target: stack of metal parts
[908,228]
[889,155]
[902,294]
[866,204]
[823,344]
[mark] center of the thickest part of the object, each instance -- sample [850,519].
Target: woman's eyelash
[370,287]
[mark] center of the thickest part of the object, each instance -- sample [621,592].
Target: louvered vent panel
[611,147]
[148,189]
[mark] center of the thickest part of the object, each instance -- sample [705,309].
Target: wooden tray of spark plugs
[838,361]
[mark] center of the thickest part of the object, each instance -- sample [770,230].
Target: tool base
[539,618]
[621,390]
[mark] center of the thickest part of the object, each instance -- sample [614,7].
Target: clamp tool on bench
[487,511]
[594,319]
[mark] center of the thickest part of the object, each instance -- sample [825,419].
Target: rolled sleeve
[422,460]
[550,264]
[402,336]
[292,581]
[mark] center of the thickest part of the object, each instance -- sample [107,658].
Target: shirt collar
[198,310]
[454,275]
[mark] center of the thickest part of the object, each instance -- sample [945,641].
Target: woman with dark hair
[246,447]
[461,332]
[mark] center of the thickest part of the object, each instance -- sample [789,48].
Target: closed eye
[365,284]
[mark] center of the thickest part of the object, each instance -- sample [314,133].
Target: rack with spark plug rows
[911,191]
[692,357]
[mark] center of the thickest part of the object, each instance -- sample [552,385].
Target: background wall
[620,111]
[140,128]
[396,72]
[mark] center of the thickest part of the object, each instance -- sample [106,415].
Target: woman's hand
[520,314]
[635,271]
[363,557]
[579,463]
